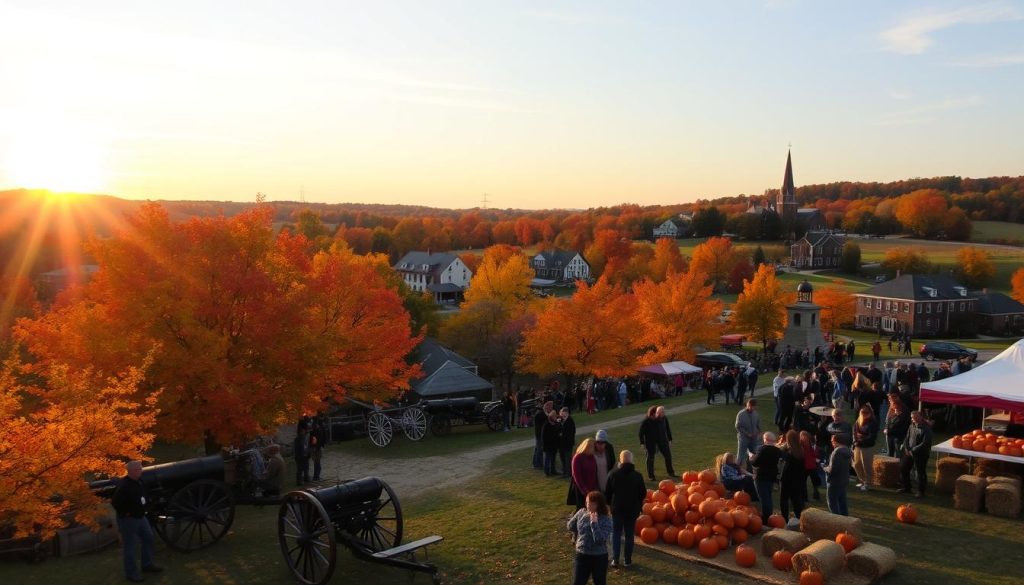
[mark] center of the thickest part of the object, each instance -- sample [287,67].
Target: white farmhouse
[442,274]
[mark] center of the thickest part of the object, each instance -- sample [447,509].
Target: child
[811,457]
[591,526]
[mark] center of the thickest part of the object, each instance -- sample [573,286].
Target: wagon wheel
[197,516]
[495,419]
[440,425]
[306,535]
[378,425]
[380,525]
[414,423]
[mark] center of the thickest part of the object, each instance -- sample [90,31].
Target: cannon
[363,515]
[464,410]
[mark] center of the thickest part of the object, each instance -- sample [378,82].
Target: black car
[717,359]
[947,350]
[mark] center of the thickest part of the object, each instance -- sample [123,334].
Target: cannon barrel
[359,491]
[172,476]
[463,402]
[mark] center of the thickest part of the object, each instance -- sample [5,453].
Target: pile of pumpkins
[979,440]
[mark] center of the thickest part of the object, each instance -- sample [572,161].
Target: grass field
[508,526]
[984,231]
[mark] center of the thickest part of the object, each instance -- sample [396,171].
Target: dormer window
[930,291]
[961,290]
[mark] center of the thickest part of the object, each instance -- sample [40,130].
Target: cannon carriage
[447,412]
[378,422]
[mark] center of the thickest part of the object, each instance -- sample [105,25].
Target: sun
[54,157]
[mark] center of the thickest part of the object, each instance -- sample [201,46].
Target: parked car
[947,350]
[717,359]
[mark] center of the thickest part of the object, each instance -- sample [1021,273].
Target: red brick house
[923,305]
[818,250]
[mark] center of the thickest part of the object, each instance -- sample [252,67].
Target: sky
[535,104]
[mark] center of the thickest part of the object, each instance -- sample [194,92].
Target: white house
[671,228]
[440,273]
[560,265]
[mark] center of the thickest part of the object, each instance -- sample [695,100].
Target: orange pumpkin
[745,556]
[702,531]
[723,541]
[741,498]
[692,516]
[720,488]
[647,507]
[725,519]
[776,521]
[658,514]
[659,497]
[906,514]
[707,476]
[686,538]
[990,448]
[782,560]
[708,547]
[738,535]
[978,445]
[667,486]
[649,535]
[810,577]
[690,477]
[740,518]
[958,443]
[660,527]
[754,527]
[848,541]
[718,529]
[670,535]
[708,508]
[677,520]
[643,521]
[695,499]
[650,494]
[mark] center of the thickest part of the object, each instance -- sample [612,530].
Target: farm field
[984,231]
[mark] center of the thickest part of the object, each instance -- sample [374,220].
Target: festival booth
[690,373]
[995,384]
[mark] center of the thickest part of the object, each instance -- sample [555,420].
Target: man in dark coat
[566,441]
[551,436]
[787,401]
[540,418]
[766,473]
[916,449]
[655,435]
[625,493]
[301,451]
[129,502]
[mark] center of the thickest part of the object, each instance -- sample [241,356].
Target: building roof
[819,238]
[431,355]
[919,287]
[995,303]
[679,223]
[415,261]
[559,257]
[445,372]
[787,180]
[808,211]
[444,287]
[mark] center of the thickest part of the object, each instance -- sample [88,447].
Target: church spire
[788,190]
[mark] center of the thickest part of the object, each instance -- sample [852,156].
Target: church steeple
[785,204]
[788,190]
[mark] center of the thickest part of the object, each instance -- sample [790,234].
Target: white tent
[997,383]
[670,369]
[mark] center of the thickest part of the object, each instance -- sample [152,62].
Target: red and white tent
[997,383]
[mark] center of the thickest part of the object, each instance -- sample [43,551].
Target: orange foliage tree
[674,316]
[1017,285]
[761,307]
[667,259]
[17,300]
[838,306]
[57,425]
[906,261]
[251,330]
[974,267]
[715,258]
[922,212]
[590,333]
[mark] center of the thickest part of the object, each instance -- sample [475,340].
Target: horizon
[539,106]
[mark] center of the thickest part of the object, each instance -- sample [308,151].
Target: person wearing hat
[605,454]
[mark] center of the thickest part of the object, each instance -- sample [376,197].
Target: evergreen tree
[850,262]
[758,257]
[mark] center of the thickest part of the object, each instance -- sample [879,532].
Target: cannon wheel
[306,535]
[197,516]
[414,423]
[378,426]
[440,425]
[381,525]
[495,419]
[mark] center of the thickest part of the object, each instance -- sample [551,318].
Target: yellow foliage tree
[838,306]
[501,278]
[906,261]
[761,307]
[974,267]
[667,259]
[715,258]
[674,316]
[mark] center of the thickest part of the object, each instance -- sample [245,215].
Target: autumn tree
[741,272]
[850,260]
[905,261]
[761,307]
[667,259]
[17,300]
[922,212]
[1017,285]
[250,330]
[974,267]
[838,305]
[593,332]
[675,316]
[758,257]
[956,225]
[715,258]
[501,277]
[58,425]
[708,222]
[610,247]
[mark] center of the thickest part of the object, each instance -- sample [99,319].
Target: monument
[803,329]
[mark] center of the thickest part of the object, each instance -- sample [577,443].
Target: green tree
[708,221]
[758,257]
[850,261]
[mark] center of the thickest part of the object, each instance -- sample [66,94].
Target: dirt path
[415,476]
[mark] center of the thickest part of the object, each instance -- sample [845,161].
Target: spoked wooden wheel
[378,426]
[197,516]
[414,423]
[495,419]
[306,535]
[440,425]
[380,524]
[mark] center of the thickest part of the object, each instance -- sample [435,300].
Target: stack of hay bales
[819,524]
[970,493]
[1002,497]
[950,468]
[886,471]
[827,556]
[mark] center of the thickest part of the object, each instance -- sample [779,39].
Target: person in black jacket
[787,402]
[625,492]
[551,436]
[766,473]
[655,435]
[566,441]
[916,449]
[301,451]
[540,418]
[129,502]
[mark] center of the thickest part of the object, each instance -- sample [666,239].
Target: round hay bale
[781,539]
[824,556]
[1002,499]
[950,468]
[886,471]
[970,493]
[871,560]
[818,524]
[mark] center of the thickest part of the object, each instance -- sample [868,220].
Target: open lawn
[508,526]
[1006,259]
[985,231]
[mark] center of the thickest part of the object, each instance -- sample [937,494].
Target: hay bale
[886,471]
[818,524]
[969,494]
[950,468]
[871,560]
[824,556]
[995,467]
[1002,499]
[781,539]
[1014,481]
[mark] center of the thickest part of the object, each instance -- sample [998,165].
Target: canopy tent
[994,384]
[670,369]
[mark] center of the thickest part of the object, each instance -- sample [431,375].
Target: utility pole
[485,201]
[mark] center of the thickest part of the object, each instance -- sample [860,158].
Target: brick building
[921,305]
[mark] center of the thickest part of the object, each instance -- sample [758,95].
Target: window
[796,319]
[888,305]
[867,303]
[918,309]
[906,307]
[962,305]
[927,307]
[812,318]
[938,307]
[878,303]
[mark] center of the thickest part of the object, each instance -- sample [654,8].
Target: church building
[795,219]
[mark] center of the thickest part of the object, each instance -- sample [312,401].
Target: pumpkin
[741,498]
[670,535]
[776,521]
[702,531]
[708,547]
[695,499]
[718,529]
[990,448]
[720,488]
[782,560]
[686,538]
[690,477]
[677,520]
[679,503]
[740,519]
[809,577]
[707,476]
[649,535]
[647,507]
[906,514]
[667,486]
[658,513]
[659,497]
[754,526]
[692,516]
[978,445]
[739,535]
[643,521]
[1004,450]
[958,443]
[708,508]
[745,556]
[650,494]
[848,541]
[660,527]
[725,519]
[723,541]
